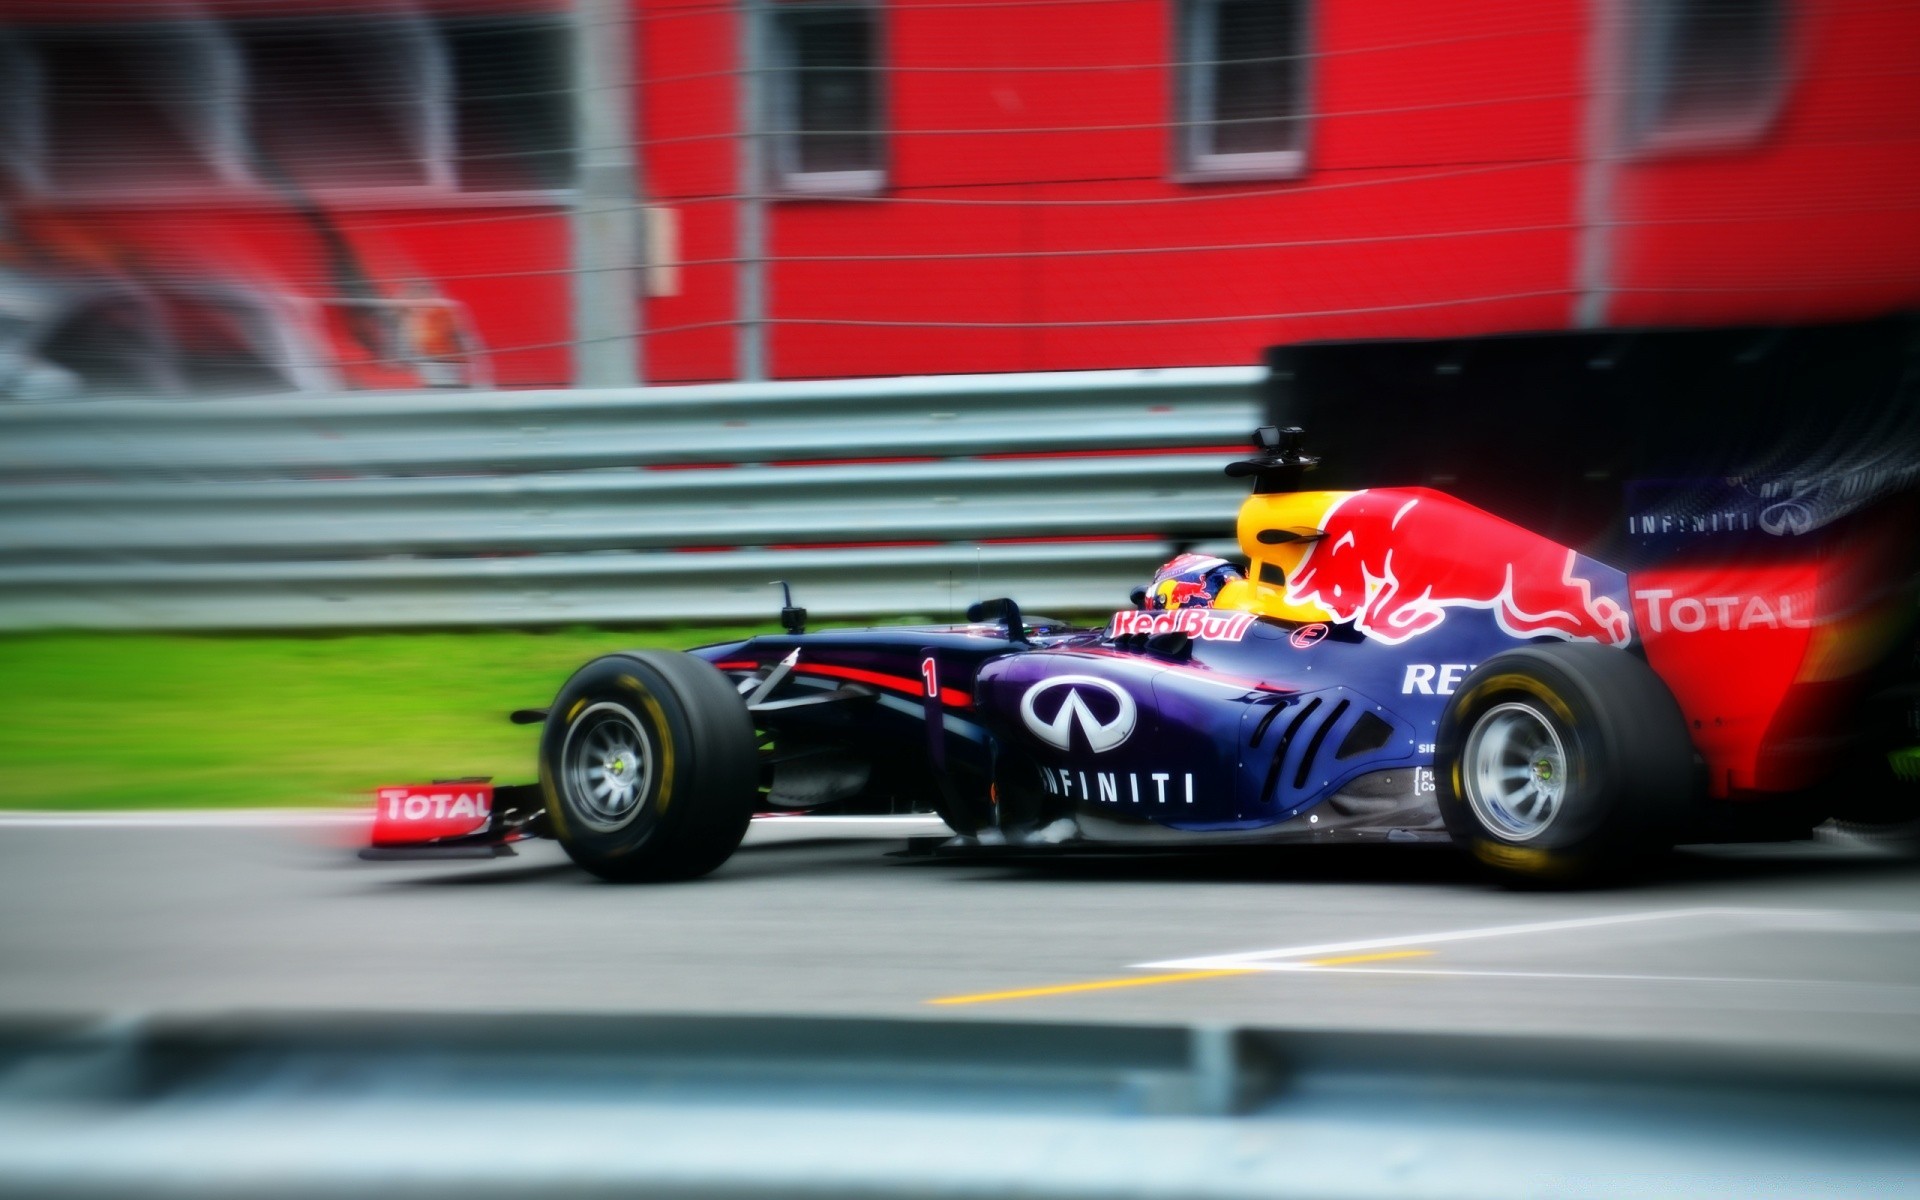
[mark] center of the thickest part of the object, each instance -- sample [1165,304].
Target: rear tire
[649,766]
[1563,762]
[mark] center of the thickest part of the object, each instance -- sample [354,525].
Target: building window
[479,104]
[1243,95]
[1712,71]
[325,103]
[513,103]
[824,101]
[136,106]
[23,141]
[358,103]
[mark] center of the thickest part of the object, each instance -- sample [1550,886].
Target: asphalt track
[1812,946]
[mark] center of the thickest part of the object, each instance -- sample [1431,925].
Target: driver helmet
[1188,581]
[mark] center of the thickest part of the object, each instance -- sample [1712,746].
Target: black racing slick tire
[1563,763]
[650,767]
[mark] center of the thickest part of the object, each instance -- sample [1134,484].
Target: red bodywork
[1770,659]
[415,813]
[1731,642]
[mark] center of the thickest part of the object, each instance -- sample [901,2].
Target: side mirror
[1003,610]
[793,619]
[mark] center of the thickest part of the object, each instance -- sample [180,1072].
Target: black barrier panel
[1573,433]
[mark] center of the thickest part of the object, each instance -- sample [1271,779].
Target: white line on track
[781,827]
[778,827]
[1271,959]
[1905,989]
[235,818]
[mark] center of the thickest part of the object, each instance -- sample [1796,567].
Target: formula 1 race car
[1395,665]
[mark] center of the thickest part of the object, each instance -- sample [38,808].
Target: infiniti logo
[1057,731]
[1791,517]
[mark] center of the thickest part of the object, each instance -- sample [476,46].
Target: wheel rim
[607,766]
[1515,771]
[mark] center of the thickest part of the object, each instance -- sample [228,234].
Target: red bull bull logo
[1391,563]
[1174,593]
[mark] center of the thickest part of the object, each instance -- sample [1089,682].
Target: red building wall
[1819,218]
[1032,219]
[685,124]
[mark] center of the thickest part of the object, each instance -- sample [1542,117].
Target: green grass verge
[105,721]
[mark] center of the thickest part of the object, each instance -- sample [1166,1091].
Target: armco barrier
[549,1105]
[871,496]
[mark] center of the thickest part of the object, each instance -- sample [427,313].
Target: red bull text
[1198,623]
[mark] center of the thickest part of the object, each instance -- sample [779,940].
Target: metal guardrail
[554,1105]
[611,510]
[872,496]
[471,432]
[935,582]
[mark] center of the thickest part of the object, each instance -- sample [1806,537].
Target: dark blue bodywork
[1291,731]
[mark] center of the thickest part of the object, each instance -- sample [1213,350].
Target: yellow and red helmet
[1189,581]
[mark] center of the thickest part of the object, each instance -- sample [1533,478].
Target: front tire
[650,767]
[1563,762]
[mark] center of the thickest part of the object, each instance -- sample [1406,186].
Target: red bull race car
[1393,664]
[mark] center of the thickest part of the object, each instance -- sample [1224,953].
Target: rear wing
[1632,443]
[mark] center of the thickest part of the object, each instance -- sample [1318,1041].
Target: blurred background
[327,195]
[367,365]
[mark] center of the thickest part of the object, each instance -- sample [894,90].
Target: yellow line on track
[1382,956]
[1131,981]
[1098,985]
